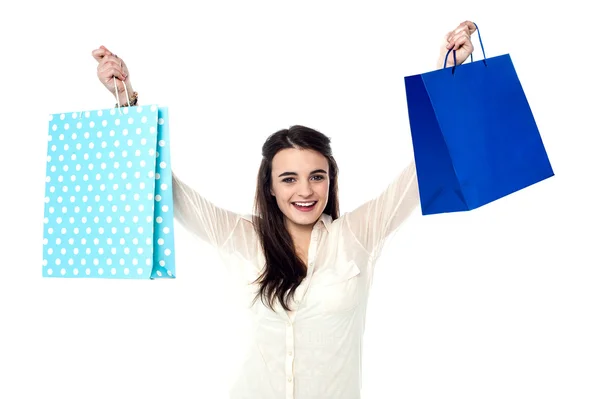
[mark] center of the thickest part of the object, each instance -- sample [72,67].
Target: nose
[305,189]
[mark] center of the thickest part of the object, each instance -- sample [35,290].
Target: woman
[310,267]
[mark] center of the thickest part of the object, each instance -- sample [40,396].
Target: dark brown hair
[284,269]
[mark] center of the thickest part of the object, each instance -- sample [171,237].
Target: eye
[319,177]
[287,180]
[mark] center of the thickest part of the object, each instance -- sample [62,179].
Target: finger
[111,65]
[107,74]
[470,26]
[111,60]
[461,41]
[462,36]
[100,53]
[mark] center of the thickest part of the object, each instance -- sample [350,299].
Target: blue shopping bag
[475,139]
[108,197]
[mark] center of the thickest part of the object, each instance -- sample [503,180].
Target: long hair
[284,270]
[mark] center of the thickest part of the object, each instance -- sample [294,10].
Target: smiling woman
[310,267]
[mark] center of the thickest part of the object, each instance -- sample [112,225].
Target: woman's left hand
[459,40]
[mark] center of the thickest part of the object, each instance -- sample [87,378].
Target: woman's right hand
[109,66]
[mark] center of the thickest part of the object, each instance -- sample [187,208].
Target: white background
[500,302]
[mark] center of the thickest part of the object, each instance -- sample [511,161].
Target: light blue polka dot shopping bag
[108,200]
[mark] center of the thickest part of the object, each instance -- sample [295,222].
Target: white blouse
[315,351]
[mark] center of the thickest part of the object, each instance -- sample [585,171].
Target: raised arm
[374,221]
[225,230]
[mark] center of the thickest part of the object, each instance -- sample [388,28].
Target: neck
[300,233]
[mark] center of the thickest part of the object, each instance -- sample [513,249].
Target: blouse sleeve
[372,222]
[210,223]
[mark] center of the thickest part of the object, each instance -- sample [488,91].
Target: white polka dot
[88,271]
[161,143]
[57,261]
[75,272]
[113,271]
[63,271]
[101,271]
[161,241]
[143,141]
[138,131]
[161,121]
[130,121]
[66,127]
[62,117]
[159,219]
[142,185]
[166,230]
[129,142]
[153,108]
[111,133]
[49,272]
[138,153]
[140,271]
[167,252]
[152,130]
[116,143]
[126,270]
[162,263]
[92,124]
[125,132]
[144,119]
[163,165]
[117,122]
[129,164]
[79,125]
[104,123]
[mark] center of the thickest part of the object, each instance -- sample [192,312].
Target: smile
[304,206]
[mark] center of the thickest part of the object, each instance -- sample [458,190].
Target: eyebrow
[296,174]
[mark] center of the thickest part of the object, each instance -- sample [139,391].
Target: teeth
[307,204]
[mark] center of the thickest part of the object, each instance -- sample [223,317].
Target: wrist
[125,102]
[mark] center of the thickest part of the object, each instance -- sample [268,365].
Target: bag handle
[127,94]
[454,52]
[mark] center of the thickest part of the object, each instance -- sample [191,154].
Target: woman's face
[300,178]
